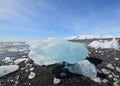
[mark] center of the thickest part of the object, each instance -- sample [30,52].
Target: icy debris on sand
[17,61]
[105,71]
[6,69]
[56,81]
[85,68]
[32,75]
[53,50]
[96,79]
[110,66]
[105,44]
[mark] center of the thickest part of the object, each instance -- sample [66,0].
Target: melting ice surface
[52,50]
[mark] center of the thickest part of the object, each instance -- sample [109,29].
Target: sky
[34,19]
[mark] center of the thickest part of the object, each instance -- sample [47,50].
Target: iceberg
[55,50]
[85,68]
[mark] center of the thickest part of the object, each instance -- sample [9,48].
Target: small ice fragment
[110,76]
[116,58]
[104,80]
[32,75]
[110,66]
[97,79]
[118,69]
[56,81]
[105,71]
[31,69]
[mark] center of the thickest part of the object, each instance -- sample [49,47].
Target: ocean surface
[13,50]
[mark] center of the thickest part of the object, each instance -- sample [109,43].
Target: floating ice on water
[4,70]
[105,44]
[51,50]
[85,68]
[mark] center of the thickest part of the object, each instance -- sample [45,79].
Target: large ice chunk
[105,44]
[52,50]
[6,69]
[85,68]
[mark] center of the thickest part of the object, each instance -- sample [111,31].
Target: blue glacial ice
[53,50]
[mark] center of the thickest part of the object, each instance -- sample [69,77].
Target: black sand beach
[44,75]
